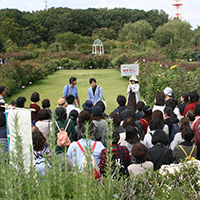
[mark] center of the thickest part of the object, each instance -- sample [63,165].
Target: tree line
[35,27]
[67,28]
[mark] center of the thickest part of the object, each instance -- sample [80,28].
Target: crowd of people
[142,137]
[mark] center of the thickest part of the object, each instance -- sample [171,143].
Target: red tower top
[177,6]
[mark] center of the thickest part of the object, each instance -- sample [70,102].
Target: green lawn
[51,87]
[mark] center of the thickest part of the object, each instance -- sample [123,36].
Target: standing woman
[133,91]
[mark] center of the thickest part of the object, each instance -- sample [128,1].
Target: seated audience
[116,149]
[193,98]
[63,122]
[75,153]
[186,150]
[139,152]
[196,123]
[35,97]
[121,100]
[44,124]
[184,122]
[159,154]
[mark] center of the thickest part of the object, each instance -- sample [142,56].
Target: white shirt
[71,107]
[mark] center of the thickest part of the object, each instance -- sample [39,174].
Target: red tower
[177,6]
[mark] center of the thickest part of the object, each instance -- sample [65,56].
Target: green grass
[52,87]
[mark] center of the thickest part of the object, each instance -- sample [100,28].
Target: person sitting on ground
[128,112]
[75,153]
[20,102]
[159,102]
[129,121]
[73,115]
[193,98]
[116,149]
[62,121]
[132,137]
[71,105]
[83,118]
[3,132]
[191,117]
[95,93]
[171,121]
[186,148]
[39,143]
[196,123]
[62,103]
[168,93]
[139,106]
[44,124]
[88,106]
[103,107]
[146,118]
[184,122]
[13,103]
[173,103]
[154,125]
[116,124]
[46,104]
[159,154]
[35,97]
[121,100]
[2,93]
[100,126]
[184,101]
[140,152]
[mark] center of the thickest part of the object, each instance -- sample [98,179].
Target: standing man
[95,93]
[2,93]
[71,89]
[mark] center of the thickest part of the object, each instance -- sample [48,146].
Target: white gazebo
[97,47]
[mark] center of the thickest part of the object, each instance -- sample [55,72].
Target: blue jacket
[97,96]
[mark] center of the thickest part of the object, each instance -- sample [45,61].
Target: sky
[190,9]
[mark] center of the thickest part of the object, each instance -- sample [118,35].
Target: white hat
[168,91]
[133,78]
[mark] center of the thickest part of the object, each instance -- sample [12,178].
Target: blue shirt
[75,153]
[68,89]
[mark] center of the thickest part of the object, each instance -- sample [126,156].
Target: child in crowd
[35,97]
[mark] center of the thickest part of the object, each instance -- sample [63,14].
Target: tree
[9,29]
[138,31]
[181,30]
[68,40]
[104,33]
[163,36]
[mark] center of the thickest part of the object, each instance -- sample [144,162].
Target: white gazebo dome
[97,47]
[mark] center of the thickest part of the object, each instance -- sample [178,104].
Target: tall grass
[59,183]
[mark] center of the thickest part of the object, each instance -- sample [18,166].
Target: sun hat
[168,91]
[97,110]
[133,78]
[88,105]
[61,103]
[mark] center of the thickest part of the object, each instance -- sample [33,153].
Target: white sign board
[130,69]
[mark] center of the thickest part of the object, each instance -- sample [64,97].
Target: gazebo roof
[98,41]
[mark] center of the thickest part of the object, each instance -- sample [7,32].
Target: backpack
[119,167]
[190,157]
[63,140]
[86,166]
[40,162]
[175,128]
